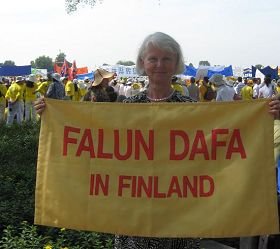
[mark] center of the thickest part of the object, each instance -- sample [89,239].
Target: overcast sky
[224,32]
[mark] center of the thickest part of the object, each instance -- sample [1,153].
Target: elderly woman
[160,57]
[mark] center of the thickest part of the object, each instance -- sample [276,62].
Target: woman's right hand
[40,105]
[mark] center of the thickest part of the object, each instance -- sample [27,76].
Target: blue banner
[83,76]
[190,71]
[227,71]
[15,70]
[267,71]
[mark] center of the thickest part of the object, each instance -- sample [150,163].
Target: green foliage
[29,236]
[60,58]
[44,62]
[259,66]
[204,63]
[8,63]
[126,63]
[18,157]
[71,5]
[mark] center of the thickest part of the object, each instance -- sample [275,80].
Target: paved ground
[210,244]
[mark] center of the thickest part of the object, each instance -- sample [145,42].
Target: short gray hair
[164,42]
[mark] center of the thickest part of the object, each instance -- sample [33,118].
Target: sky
[223,32]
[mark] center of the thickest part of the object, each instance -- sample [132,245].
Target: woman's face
[159,65]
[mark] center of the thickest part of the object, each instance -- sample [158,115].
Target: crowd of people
[18,94]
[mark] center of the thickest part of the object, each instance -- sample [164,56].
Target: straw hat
[101,74]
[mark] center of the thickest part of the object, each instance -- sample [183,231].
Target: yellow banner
[159,169]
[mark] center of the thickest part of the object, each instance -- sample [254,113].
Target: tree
[126,63]
[259,66]
[60,58]
[8,63]
[71,5]
[204,63]
[190,65]
[43,62]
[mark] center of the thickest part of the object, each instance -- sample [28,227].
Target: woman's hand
[40,105]
[274,106]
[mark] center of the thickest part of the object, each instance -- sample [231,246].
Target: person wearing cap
[3,91]
[97,92]
[14,96]
[77,91]
[56,88]
[224,93]
[30,97]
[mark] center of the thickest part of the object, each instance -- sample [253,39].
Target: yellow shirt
[178,88]
[15,92]
[77,95]
[202,92]
[247,93]
[3,90]
[278,89]
[29,93]
[43,87]
[69,89]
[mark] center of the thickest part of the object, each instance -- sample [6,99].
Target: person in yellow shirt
[247,91]
[69,88]
[77,91]
[3,91]
[83,87]
[30,97]
[43,85]
[14,96]
[176,86]
[203,90]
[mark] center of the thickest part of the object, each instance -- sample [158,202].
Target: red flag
[64,69]
[57,69]
[82,70]
[73,71]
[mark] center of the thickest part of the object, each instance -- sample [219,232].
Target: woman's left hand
[274,106]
